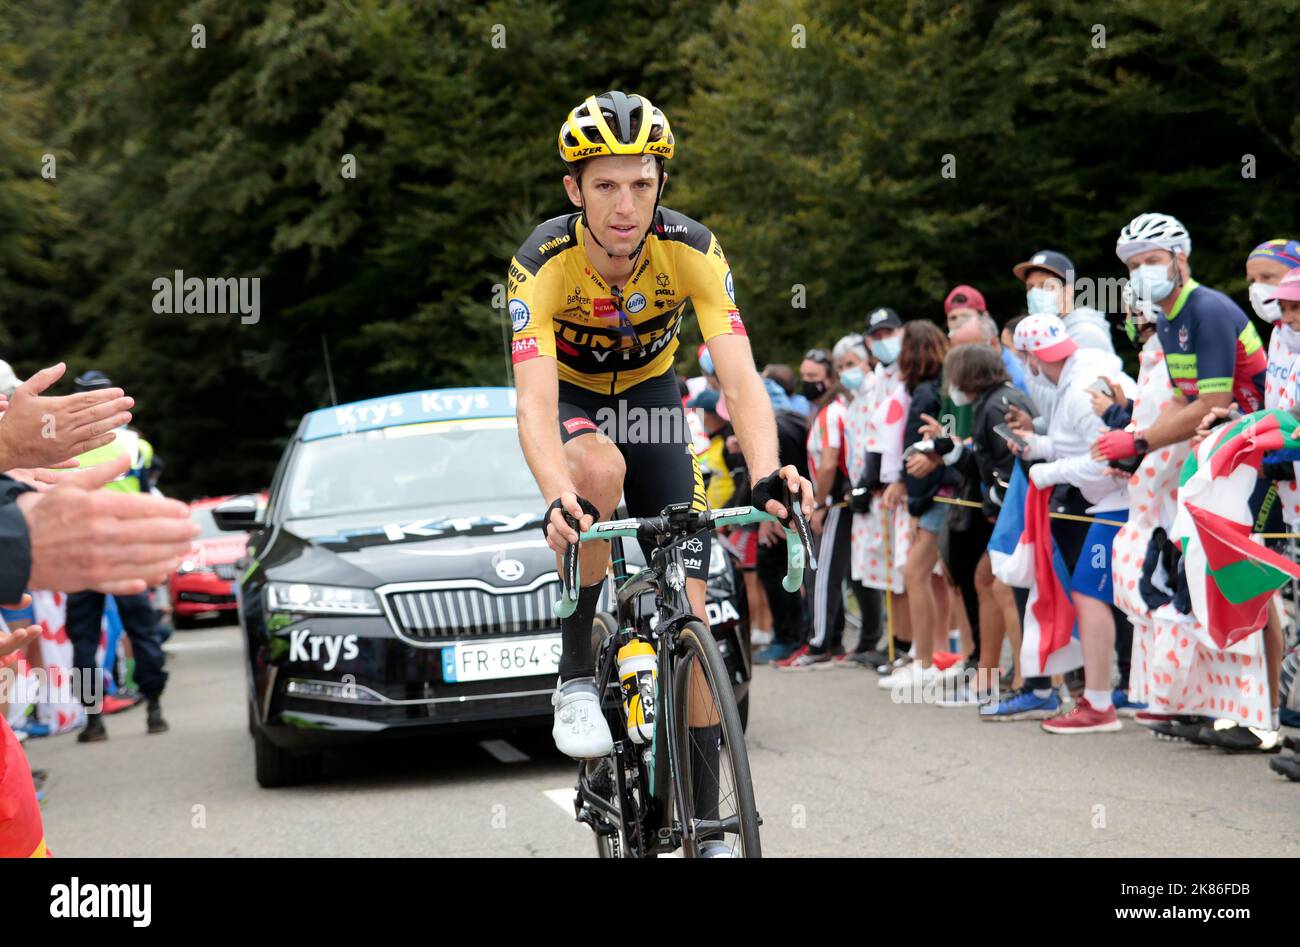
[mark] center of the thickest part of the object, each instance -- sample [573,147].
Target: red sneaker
[114,705]
[1085,718]
[786,662]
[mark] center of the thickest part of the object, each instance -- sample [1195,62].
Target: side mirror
[239,514]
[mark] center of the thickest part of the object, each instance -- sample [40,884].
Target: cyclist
[597,299]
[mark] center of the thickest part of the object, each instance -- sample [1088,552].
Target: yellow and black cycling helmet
[615,123]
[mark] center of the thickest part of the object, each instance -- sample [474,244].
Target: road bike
[690,787]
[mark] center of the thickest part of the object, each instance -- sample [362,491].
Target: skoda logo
[509,570]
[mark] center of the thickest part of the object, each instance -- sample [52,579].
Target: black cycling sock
[576,658]
[705,754]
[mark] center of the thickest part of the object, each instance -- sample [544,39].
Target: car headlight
[321,599]
[189,566]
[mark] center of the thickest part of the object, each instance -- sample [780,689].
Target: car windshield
[411,465]
[207,525]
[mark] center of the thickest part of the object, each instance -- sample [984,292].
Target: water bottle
[638,680]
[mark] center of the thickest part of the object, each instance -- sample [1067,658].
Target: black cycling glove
[587,507]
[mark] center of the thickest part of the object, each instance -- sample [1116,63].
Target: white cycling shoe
[580,730]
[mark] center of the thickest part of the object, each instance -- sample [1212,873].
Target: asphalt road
[839,769]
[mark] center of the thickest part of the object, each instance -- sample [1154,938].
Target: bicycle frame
[656,828]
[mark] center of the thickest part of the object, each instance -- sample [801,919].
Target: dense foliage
[813,138]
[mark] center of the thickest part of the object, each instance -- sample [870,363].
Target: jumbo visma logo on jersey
[587,348]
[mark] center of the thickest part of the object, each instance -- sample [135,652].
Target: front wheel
[719,816]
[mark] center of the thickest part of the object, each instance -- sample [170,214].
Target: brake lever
[801,525]
[568,601]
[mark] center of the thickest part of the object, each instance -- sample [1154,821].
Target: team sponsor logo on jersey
[552,244]
[641,269]
[737,326]
[516,274]
[577,298]
[663,292]
[674,228]
[661,279]
[603,308]
[574,425]
[730,288]
[635,302]
[717,251]
[518,314]
[523,349]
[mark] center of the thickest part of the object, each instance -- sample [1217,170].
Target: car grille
[440,614]
[451,613]
[226,571]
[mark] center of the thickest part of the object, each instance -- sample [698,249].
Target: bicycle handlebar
[798,542]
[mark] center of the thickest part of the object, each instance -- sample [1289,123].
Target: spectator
[1084,486]
[921,365]
[878,530]
[783,375]
[1049,290]
[139,619]
[976,374]
[831,523]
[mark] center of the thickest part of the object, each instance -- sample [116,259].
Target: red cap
[964,297]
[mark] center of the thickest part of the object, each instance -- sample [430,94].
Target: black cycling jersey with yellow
[607,339]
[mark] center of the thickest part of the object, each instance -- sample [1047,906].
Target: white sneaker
[760,637]
[580,730]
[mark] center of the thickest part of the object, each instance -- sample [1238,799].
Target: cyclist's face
[1260,270]
[618,192]
[1149,258]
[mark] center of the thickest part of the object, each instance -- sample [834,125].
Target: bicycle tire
[697,644]
[604,625]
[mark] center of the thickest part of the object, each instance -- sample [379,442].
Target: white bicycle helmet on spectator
[1152,232]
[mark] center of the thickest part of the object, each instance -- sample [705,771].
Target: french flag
[1022,554]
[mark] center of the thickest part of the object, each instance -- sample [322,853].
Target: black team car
[398,584]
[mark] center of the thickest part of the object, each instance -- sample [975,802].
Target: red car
[204,584]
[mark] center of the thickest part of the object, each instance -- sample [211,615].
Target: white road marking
[503,751]
[562,798]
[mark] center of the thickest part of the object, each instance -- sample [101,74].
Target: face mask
[958,397]
[1041,302]
[812,390]
[887,349]
[851,378]
[1290,338]
[1268,311]
[1152,281]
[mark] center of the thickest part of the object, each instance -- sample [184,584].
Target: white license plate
[510,657]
